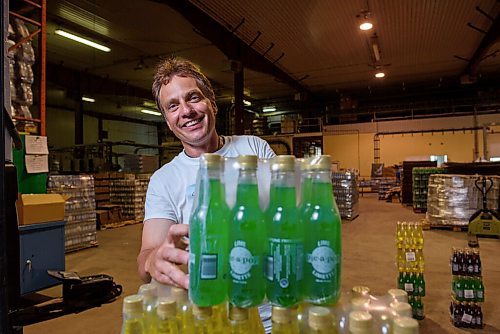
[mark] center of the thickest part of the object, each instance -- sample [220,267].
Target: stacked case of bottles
[130,194]
[79,209]
[407,178]
[467,288]
[420,185]
[410,262]
[345,190]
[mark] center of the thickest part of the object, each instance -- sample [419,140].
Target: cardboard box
[40,208]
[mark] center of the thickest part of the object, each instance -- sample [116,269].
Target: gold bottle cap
[202,312]
[166,307]
[211,161]
[304,163]
[319,318]
[398,295]
[405,325]
[360,303]
[360,291]
[360,321]
[247,161]
[282,315]
[238,313]
[283,163]
[401,308]
[179,294]
[133,304]
[148,290]
[322,162]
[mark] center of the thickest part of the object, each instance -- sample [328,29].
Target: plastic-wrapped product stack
[346,193]
[130,194]
[420,186]
[79,209]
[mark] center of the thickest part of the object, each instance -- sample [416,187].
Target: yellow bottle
[320,321]
[166,322]
[133,319]
[184,310]
[255,321]
[149,294]
[220,317]
[239,320]
[284,320]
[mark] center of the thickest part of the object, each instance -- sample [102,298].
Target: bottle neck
[210,186]
[283,188]
[322,187]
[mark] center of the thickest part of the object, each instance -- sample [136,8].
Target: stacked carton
[130,194]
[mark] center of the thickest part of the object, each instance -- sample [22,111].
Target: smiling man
[187,101]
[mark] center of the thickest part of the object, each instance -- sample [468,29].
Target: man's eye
[172,107]
[195,98]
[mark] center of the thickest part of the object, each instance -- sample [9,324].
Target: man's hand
[162,262]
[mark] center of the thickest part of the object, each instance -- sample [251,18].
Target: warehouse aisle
[368,259]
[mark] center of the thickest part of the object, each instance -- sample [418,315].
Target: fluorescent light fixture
[269,109]
[88,99]
[151,112]
[366,25]
[379,75]
[82,40]
[247,103]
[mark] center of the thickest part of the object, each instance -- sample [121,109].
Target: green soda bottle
[285,252]
[322,245]
[246,253]
[208,236]
[166,322]
[133,318]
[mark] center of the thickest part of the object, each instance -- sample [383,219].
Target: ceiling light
[88,99]
[269,109]
[82,40]
[379,75]
[366,25]
[151,112]
[247,103]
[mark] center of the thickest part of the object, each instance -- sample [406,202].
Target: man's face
[189,114]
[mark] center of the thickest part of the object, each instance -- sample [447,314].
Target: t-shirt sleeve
[158,202]
[262,148]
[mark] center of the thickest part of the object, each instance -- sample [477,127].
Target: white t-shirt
[171,188]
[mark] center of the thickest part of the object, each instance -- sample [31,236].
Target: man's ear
[214,106]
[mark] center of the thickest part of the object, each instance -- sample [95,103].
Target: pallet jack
[484,222]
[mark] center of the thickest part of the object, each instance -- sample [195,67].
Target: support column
[239,84]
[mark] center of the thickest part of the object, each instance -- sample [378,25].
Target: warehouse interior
[408,110]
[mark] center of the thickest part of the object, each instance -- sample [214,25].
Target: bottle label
[208,267]
[469,294]
[287,257]
[409,287]
[410,257]
[323,260]
[479,294]
[467,318]
[460,293]
[455,267]
[241,261]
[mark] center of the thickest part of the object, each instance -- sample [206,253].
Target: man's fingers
[175,255]
[179,277]
[177,231]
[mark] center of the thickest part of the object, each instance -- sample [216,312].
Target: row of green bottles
[412,283]
[230,246]
[417,306]
[468,288]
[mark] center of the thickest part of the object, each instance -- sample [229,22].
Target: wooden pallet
[420,210]
[453,228]
[92,244]
[120,224]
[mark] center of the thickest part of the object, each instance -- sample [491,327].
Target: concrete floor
[368,259]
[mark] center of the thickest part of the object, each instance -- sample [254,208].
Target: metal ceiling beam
[230,45]
[489,39]
[91,83]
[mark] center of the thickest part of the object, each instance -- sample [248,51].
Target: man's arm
[163,248]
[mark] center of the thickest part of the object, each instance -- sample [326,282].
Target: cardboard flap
[39,199]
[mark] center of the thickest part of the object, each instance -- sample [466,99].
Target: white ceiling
[321,42]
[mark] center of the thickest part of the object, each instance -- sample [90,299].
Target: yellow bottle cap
[360,321]
[166,307]
[283,163]
[320,318]
[401,308]
[360,303]
[179,294]
[398,295]
[360,291]
[247,162]
[238,313]
[282,315]
[211,161]
[202,312]
[321,162]
[133,304]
